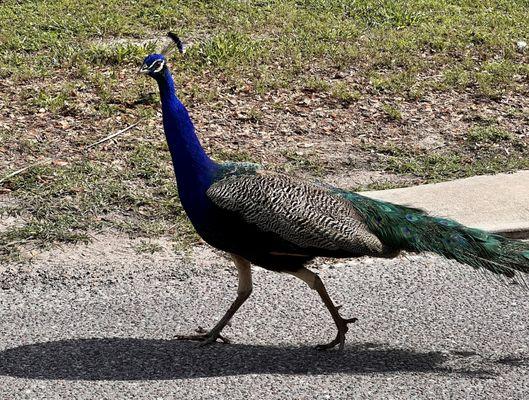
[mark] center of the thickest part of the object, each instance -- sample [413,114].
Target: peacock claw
[204,337]
[341,324]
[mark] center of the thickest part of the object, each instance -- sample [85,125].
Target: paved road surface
[87,324]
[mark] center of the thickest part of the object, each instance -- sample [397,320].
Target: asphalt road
[99,324]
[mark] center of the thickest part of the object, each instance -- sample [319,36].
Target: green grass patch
[232,155]
[441,167]
[344,93]
[488,134]
[302,161]
[392,112]
[146,246]
[382,185]
[316,84]
[63,204]
[394,42]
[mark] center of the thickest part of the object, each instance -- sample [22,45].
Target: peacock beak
[144,69]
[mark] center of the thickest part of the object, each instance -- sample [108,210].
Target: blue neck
[193,168]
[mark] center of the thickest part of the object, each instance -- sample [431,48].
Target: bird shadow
[133,359]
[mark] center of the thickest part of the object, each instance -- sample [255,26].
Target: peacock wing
[300,212]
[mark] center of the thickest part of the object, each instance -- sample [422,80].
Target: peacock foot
[204,337]
[341,324]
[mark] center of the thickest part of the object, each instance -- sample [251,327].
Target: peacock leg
[314,282]
[243,292]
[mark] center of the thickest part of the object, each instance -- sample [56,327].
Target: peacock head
[155,64]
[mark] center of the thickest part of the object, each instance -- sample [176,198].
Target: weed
[223,154]
[491,134]
[392,112]
[344,94]
[299,160]
[439,167]
[146,246]
[315,84]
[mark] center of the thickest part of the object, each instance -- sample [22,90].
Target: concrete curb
[495,203]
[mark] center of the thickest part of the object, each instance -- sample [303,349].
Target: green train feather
[413,230]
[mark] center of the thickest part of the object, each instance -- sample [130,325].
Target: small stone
[521,45]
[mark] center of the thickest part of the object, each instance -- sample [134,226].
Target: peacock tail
[413,230]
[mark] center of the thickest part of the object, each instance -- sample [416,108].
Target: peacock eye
[157,66]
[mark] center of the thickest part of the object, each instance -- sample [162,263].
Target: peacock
[281,222]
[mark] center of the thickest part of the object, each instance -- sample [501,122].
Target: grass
[462,162]
[147,247]
[343,93]
[392,112]
[315,84]
[302,161]
[489,134]
[437,168]
[395,42]
[64,204]
[68,81]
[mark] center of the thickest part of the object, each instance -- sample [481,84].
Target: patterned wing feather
[302,213]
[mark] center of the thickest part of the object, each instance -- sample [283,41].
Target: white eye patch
[161,63]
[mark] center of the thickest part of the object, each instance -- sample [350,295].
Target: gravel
[98,321]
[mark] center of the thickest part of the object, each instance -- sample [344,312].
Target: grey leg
[243,292]
[314,282]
